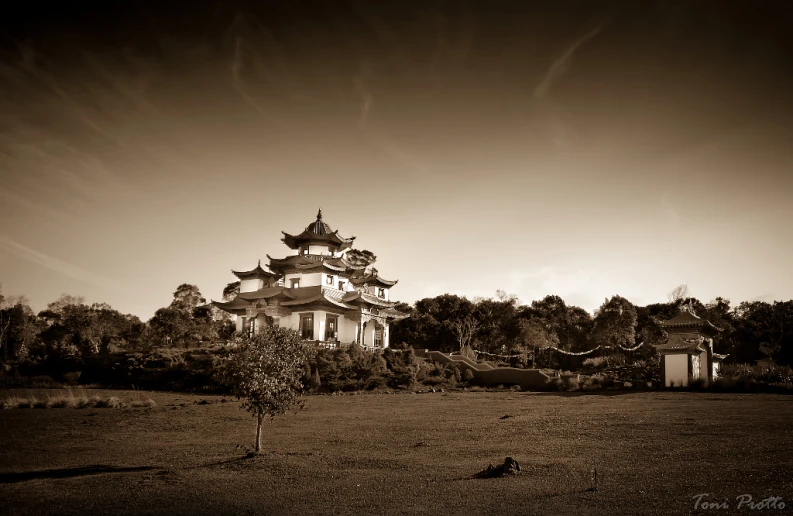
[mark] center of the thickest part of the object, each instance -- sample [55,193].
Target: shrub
[315,382]
[595,363]
[13,402]
[111,402]
[72,378]
[593,383]
[698,384]
[468,375]
[63,401]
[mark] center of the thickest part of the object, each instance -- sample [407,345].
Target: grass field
[401,454]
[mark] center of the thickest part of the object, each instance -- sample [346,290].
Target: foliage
[231,290]
[186,298]
[534,337]
[615,323]
[359,257]
[264,371]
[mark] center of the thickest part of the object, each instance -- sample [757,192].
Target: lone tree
[265,372]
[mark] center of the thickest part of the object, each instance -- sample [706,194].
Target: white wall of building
[291,321]
[347,330]
[306,280]
[318,249]
[703,365]
[251,285]
[676,370]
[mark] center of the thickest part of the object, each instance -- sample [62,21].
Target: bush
[72,378]
[111,402]
[468,375]
[593,383]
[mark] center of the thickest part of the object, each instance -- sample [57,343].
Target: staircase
[486,374]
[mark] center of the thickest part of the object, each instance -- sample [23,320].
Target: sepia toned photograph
[353,257]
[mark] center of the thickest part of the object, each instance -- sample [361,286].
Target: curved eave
[367,299]
[309,237]
[705,327]
[347,265]
[395,315]
[686,319]
[236,306]
[373,280]
[257,273]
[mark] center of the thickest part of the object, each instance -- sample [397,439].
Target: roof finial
[260,263]
[319,214]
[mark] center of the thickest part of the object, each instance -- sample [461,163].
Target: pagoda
[324,290]
[688,353]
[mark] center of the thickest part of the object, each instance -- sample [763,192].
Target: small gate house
[688,353]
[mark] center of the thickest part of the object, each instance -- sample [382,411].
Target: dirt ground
[403,454]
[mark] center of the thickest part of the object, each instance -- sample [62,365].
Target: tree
[465,330]
[19,331]
[678,293]
[615,323]
[231,291]
[171,326]
[764,328]
[187,298]
[360,257]
[265,371]
[535,336]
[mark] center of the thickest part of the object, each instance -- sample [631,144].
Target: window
[305,250]
[329,280]
[295,283]
[381,292]
[331,327]
[378,337]
[307,326]
[342,284]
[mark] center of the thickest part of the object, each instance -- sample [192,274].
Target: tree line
[501,327]
[69,332]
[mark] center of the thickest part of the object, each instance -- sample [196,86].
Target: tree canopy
[265,372]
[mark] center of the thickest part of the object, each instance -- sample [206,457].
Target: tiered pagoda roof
[683,342]
[313,263]
[686,322]
[257,273]
[371,278]
[317,232]
[283,298]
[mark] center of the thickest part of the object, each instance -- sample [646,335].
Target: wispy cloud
[367,99]
[562,64]
[387,144]
[239,83]
[55,264]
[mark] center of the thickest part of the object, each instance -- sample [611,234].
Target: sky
[582,149]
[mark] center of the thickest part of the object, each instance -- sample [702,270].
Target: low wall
[486,374]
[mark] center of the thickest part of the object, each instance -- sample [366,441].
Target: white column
[385,336]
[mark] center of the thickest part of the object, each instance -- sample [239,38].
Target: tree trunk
[259,419]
